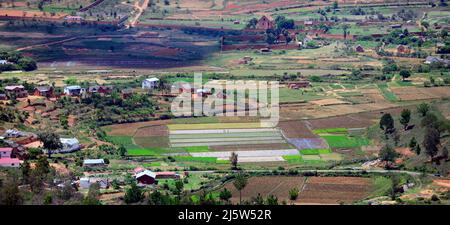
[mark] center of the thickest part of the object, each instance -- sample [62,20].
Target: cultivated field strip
[258,159]
[176,145]
[223,131]
[226,135]
[243,154]
[219,137]
[229,139]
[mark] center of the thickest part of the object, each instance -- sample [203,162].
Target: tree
[234,160]
[252,23]
[272,200]
[387,123]
[405,74]
[239,183]
[345,27]
[431,141]
[423,108]
[430,120]
[26,170]
[179,185]
[51,141]
[122,151]
[27,64]
[388,154]
[293,194]
[9,191]
[93,195]
[335,5]
[412,143]
[225,195]
[395,181]
[42,166]
[133,194]
[405,117]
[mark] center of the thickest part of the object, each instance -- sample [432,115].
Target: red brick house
[403,49]
[16,90]
[146,177]
[101,89]
[298,84]
[359,48]
[265,23]
[44,91]
[126,93]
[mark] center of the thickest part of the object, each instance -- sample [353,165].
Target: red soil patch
[296,129]
[334,190]
[442,183]
[341,121]
[405,152]
[152,131]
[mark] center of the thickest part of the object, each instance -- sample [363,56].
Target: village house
[150,83]
[16,90]
[44,91]
[5,152]
[396,26]
[298,84]
[167,175]
[91,163]
[403,49]
[126,93]
[264,50]
[4,62]
[68,145]
[146,177]
[9,162]
[6,160]
[265,23]
[73,18]
[101,89]
[86,182]
[74,90]
[3,97]
[359,48]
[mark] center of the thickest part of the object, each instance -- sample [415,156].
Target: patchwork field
[312,190]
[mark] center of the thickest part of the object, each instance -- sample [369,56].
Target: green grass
[299,159]
[314,151]
[331,130]
[342,141]
[381,186]
[146,151]
[126,141]
[197,149]
[388,94]
[152,164]
[196,159]
[293,158]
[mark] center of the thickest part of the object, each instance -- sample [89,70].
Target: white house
[86,182]
[68,145]
[150,83]
[74,90]
[94,162]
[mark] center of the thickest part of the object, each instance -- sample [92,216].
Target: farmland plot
[218,137]
[334,190]
[314,190]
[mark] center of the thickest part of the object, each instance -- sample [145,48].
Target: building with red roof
[5,152]
[9,162]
